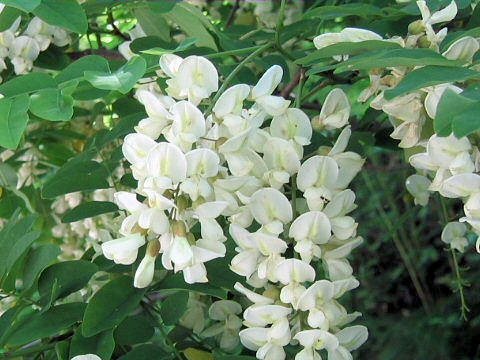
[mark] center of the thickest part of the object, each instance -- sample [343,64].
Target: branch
[107,54]
[116,31]
[231,17]
[292,84]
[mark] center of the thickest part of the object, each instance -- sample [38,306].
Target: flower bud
[423,42]
[179,228]
[417,27]
[153,247]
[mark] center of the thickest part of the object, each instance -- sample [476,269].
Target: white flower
[228,323]
[316,178]
[346,35]
[231,101]
[123,250]
[193,78]
[350,338]
[144,273]
[292,273]
[262,92]
[417,186]
[158,115]
[267,342]
[201,165]
[461,185]
[271,209]
[136,148]
[462,49]
[86,357]
[167,163]
[313,340]
[434,94]
[292,125]
[454,234]
[195,316]
[188,125]
[319,300]
[282,161]
[23,52]
[335,111]
[309,230]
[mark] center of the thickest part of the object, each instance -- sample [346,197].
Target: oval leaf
[88,210]
[110,305]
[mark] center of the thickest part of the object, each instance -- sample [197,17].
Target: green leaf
[152,24]
[395,57]
[24,5]
[64,278]
[66,14]
[76,69]
[61,350]
[51,104]
[429,76]
[467,121]
[185,44]
[101,344]
[110,305]
[15,238]
[161,6]
[48,323]
[19,247]
[193,22]
[176,282]
[37,260]
[122,79]
[173,307]
[124,126]
[13,120]
[85,92]
[8,17]
[331,12]
[146,352]
[133,330]
[88,210]
[448,107]
[26,84]
[346,48]
[76,176]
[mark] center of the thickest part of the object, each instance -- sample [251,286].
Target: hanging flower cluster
[23,48]
[241,163]
[448,165]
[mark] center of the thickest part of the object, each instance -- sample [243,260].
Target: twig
[107,54]
[291,85]
[231,17]
[460,282]
[116,30]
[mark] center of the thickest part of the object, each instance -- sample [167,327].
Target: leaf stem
[460,282]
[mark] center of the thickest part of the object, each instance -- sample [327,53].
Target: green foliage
[68,14]
[89,209]
[110,305]
[65,121]
[122,79]
[13,120]
[62,279]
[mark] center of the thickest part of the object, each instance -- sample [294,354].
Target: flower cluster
[23,48]
[447,165]
[241,163]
